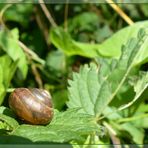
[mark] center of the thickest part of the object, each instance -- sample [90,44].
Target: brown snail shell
[32,105]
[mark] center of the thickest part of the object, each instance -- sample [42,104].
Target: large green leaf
[92,89]
[109,48]
[9,43]
[112,46]
[66,126]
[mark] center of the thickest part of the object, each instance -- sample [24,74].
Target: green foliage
[56,62]
[106,102]
[59,99]
[112,46]
[119,123]
[140,86]
[9,44]
[90,20]
[7,121]
[7,70]
[88,26]
[10,121]
[19,13]
[109,48]
[63,41]
[92,99]
[93,88]
[66,126]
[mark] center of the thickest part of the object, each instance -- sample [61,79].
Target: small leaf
[10,45]
[13,124]
[7,70]
[7,111]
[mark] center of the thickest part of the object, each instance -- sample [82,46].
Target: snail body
[32,105]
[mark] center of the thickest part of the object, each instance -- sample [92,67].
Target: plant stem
[129,119]
[37,75]
[120,12]
[33,55]
[47,13]
[2,13]
[66,16]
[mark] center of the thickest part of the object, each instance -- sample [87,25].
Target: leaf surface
[9,43]
[66,126]
[92,89]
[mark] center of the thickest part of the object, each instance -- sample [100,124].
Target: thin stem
[133,101]
[129,119]
[2,13]
[42,25]
[110,129]
[33,55]
[47,13]
[30,54]
[120,12]
[37,75]
[66,16]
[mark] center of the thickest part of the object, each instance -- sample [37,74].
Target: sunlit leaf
[66,126]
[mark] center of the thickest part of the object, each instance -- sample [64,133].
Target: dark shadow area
[20,141]
[14,140]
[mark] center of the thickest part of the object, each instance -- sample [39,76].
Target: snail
[34,105]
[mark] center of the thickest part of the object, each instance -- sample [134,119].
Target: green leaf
[112,46]
[9,43]
[63,41]
[66,126]
[59,99]
[140,85]
[83,21]
[140,117]
[19,13]
[7,111]
[144,9]
[109,48]
[137,133]
[7,70]
[11,122]
[92,90]
[56,61]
